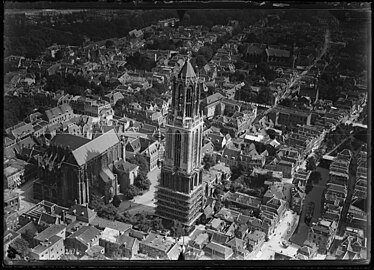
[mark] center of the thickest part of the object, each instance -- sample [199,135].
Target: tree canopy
[142,181]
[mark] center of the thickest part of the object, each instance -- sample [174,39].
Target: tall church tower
[179,194]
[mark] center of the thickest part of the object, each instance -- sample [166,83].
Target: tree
[208,161]
[132,191]
[21,246]
[157,224]
[96,202]
[113,250]
[206,51]
[314,177]
[286,102]
[142,182]
[141,161]
[201,61]
[108,211]
[116,201]
[109,43]
[178,229]
[311,164]
[264,95]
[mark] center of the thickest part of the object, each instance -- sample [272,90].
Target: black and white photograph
[213,131]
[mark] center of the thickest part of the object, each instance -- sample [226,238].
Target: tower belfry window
[180,101]
[197,99]
[169,142]
[177,149]
[189,102]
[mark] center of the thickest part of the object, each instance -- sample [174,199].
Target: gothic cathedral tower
[179,194]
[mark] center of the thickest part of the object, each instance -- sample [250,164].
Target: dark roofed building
[68,140]
[86,165]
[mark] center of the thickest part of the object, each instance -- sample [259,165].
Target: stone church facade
[73,168]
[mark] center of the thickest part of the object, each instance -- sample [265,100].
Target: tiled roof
[158,242]
[82,211]
[68,140]
[219,248]
[213,98]
[126,240]
[85,234]
[219,238]
[277,52]
[47,218]
[59,110]
[236,243]
[95,147]
[49,232]
[125,166]
[116,225]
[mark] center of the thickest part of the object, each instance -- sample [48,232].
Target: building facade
[180,192]
[73,167]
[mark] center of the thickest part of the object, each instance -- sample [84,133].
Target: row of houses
[57,232]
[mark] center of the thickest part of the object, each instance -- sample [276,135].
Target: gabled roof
[243,219]
[219,238]
[127,241]
[236,243]
[47,218]
[68,140]
[135,144]
[187,70]
[116,225]
[49,232]
[95,147]
[125,166]
[213,98]
[220,248]
[59,110]
[85,234]
[82,211]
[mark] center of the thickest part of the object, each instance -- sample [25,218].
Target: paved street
[145,202]
[315,195]
[26,197]
[281,233]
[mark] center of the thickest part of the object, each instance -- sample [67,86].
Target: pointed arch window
[180,100]
[169,142]
[186,146]
[197,97]
[194,148]
[197,146]
[189,101]
[177,148]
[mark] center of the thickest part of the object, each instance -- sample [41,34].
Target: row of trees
[73,85]
[16,109]
[140,62]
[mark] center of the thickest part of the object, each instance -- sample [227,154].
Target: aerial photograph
[164,131]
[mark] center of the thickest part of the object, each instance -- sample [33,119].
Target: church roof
[187,70]
[95,147]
